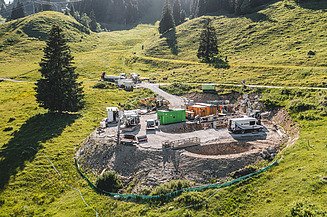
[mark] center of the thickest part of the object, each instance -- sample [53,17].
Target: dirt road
[175,101]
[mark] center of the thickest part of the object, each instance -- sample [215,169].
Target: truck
[244,125]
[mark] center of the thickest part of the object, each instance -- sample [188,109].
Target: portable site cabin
[203,109]
[171,116]
[244,125]
[208,87]
[113,114]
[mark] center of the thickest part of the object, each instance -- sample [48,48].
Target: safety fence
[140,197]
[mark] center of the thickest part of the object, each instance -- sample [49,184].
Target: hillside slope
[45,182]
[281,34]
[271,44]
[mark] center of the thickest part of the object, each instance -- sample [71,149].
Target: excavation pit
[147,164]
[220,149]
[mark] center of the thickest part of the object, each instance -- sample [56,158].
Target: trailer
[244,125]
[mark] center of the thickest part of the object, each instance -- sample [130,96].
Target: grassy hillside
[33,142]
[270,45]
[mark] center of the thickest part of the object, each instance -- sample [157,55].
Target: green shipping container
[208,87]
[171,116]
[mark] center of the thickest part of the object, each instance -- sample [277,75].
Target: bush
[104,85]
[171,186]
[109,182]
[297,106]
[217,62]
[270,104]
[306,210]
[177,88]
[193,199]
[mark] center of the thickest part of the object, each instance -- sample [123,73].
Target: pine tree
[94,25]
[202,8]
[58,89]
[183,16]
[167,20]
[18,11]
[208,48]
[3,11]
[177,12]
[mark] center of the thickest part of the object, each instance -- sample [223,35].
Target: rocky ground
[145,167]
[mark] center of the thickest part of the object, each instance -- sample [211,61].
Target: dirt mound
[205,97]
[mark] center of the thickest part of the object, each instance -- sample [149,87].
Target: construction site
[199,137]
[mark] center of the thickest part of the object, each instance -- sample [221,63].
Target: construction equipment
[151,124]
[131,118]
[127,84]
[244,125]
[171,116]
[203,109]
[136,78]
[113,115]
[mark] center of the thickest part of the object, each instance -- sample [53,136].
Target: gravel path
[175,101]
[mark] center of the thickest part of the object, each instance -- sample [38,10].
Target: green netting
[174,193]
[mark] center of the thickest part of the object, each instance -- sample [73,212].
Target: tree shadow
[314,5]
[259,17]
[171,40]
[27,141]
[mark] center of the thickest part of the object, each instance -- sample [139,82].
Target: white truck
[244,125]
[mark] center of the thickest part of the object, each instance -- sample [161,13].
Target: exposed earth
[148,164]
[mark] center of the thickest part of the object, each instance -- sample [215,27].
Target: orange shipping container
[203,110]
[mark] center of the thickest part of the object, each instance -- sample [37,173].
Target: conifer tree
[202,8]
[183,16]
[177,12]
[17,11]
[208,48]
[167,20]
[58,89]
[94,25]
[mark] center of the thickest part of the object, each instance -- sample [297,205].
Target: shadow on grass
[27,141]
[171,39]
[314,5]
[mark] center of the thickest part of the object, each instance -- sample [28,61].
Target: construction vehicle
[244,125]
[136,78]
[127,84]
[131,119]
[151,124]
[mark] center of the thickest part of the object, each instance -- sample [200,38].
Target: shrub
[193,199]
[177,88]
[306,210]
[217,62]
[297,106]
[270,104]
[104,85]
[109,182]
[170,187]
